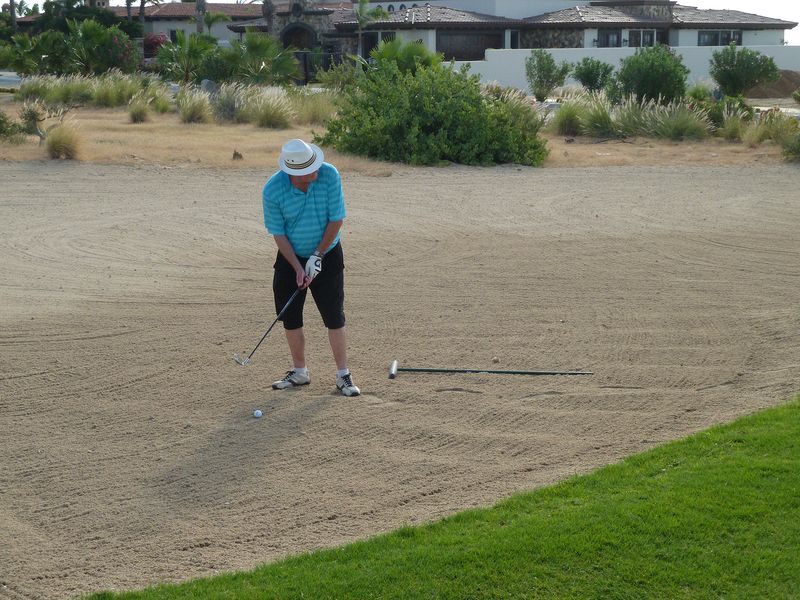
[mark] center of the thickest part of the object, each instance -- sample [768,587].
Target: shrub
[598,120]
[543,74]
[115,89]
[152,43]
[717,109]
[653,73]
[435,114]
[231,101]
[593,74]
[779,127]
[567,120]
[194,105]
[260,59]
[407,55]
[791,148]
[270,107]
[139,108]
[8,128]
[796,96]
[738,70]
[157,93]
[699,92]
[677,121]
[95,49]
[341,75]
[631,116]
[63,141]
[732,128]
[312,106]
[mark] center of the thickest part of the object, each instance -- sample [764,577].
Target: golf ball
[257,413]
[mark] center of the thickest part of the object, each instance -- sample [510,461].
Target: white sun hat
[299,158]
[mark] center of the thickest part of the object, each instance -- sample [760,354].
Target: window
[402,7]
[721,37]
[638,38]
[467,45]
[390,8]
[173,36]
[515,39]
[609,38]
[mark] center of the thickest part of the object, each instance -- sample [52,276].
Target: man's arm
[331,231]
[285,248]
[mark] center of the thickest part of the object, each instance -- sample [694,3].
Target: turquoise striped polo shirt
[303,216]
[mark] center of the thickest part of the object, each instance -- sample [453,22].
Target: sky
[787,10]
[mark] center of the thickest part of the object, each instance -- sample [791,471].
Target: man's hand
[313,266]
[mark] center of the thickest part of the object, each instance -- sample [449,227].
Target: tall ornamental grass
[63,141]
[270,107]
[312,106]
[194,105]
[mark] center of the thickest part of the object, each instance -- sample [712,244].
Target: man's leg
[338,340]
[297,346]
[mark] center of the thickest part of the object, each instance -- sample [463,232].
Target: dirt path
[128,453]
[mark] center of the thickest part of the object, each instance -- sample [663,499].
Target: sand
[129,454]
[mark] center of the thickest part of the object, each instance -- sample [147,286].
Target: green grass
[714,516]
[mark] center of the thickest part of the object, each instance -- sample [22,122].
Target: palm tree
[364,16]
[199,14]
[13,13]
[22,8]
[268,11]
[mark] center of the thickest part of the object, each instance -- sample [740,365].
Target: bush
[699,92]
[115,89]
[796,96]
[593,74]
[543,74]
[63,141]
[194,105]
[653,74]
[152,43]
[407,55]
[738,70]
[568,118]
[312,107]
[598,120]
[435,114]
[139,108]
[677,121]
[717,109]
[8,128]
[270,107]
[732,127]
[791,148]
[341,75]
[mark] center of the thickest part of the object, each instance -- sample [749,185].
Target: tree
[212,18]
[738,70]
[13,14]
[183,59]
[543,74]
[268,12]
[199,14]
[653,74]
[364,16]
[593,74]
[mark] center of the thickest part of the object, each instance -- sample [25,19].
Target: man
[304,210]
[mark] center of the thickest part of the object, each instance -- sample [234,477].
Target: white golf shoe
[345,385]
[292,379]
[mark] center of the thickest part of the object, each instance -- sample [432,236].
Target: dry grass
[107,136]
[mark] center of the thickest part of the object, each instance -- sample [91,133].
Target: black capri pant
[327,290]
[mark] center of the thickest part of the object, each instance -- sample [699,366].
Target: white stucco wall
[507,67]
[219,30]
[428,36]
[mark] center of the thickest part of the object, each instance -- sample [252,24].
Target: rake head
[241,361]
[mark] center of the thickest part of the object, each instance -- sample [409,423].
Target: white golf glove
[314,265]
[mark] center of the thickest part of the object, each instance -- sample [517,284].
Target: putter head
[241,361]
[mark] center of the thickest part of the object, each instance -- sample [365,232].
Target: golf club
[394,368]
[246,361]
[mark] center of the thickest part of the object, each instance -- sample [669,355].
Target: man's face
[301,182]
